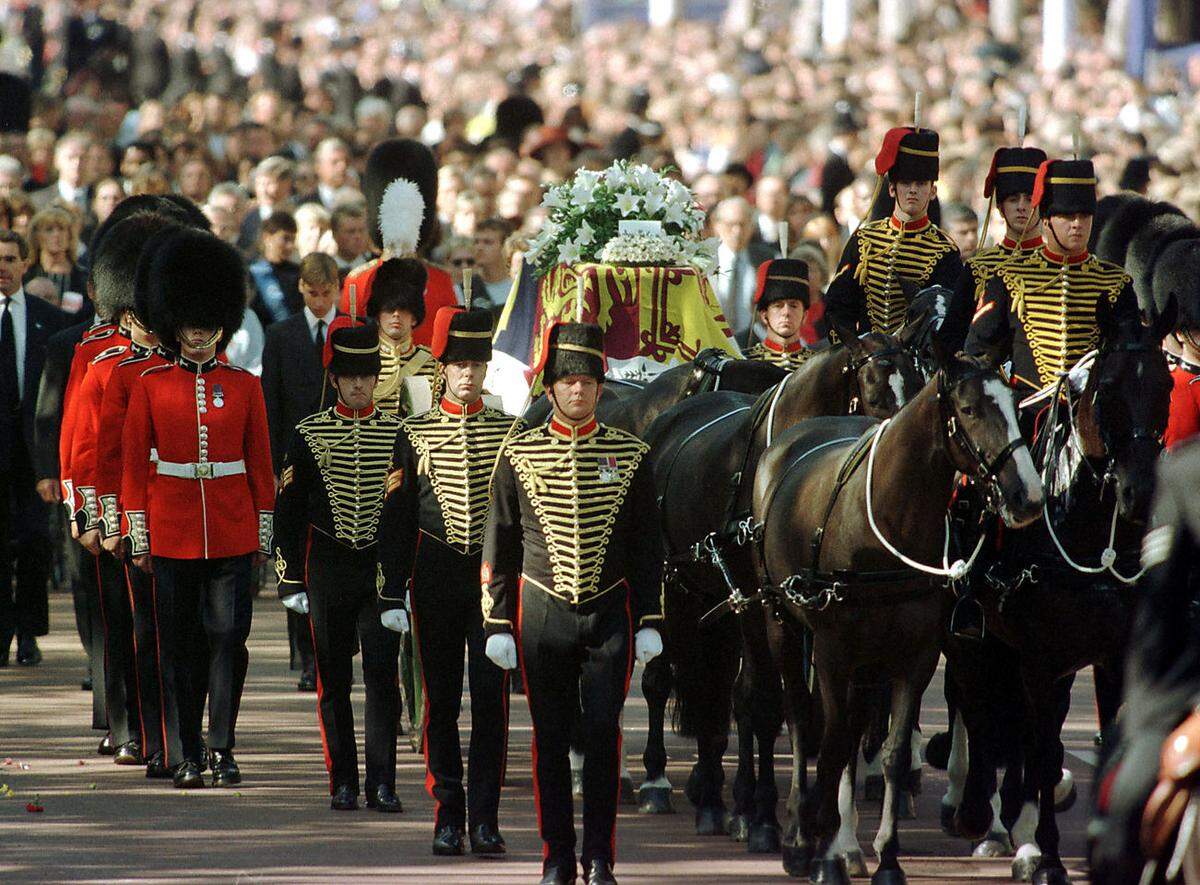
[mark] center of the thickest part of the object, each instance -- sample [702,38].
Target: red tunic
[85,434]
[439,293]
[112,420]
[94,342]
[1184,420]
[208,422]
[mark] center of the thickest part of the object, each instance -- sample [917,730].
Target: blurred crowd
[263,113]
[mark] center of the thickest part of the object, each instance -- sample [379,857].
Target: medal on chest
[218,396]
[608,470]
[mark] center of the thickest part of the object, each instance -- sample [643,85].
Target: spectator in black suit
[25,326]
[272,182]
[293,381]
[332,162]
[88,33]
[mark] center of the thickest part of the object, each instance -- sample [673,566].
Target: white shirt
[72,195]
[16,304]
[312,319]
[327,194]
[246,346]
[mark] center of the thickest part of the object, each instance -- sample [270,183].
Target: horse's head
[979,415]
[883,376]
[1122,414]
[927,309]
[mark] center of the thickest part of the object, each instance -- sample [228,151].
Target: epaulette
[1194,381]
[618,433]
[233,367]
[104,330]
[115,350]
[161,368]
[135,358]
[366,265]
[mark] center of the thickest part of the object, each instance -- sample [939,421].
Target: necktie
[319,340]
[10,392]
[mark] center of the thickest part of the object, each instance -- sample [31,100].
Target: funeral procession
[571,441]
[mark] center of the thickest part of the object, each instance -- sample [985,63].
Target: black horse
[704,452]
[1060,593]
[850,516]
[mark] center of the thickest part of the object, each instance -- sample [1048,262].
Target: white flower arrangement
[584,215]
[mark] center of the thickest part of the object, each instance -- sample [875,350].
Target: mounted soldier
[781,300]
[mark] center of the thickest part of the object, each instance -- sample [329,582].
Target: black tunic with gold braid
[395,366]
[433,524]
[977,270]
[327,513]
[1042,312]
[866,292]
[786,356]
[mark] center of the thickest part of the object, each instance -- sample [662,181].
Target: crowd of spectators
[263,113]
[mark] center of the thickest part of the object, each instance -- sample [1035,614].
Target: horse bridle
[980,467]
[854,365]
[1138,433]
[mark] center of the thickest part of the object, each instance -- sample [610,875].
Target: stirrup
[966,621]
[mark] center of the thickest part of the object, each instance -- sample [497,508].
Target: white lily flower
[616,176]
[568,252]
[627,203]
[556,198]
[654,201]
[586,235]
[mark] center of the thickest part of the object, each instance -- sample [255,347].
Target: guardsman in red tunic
[204,520]
[327,532]
[782,302]
[433,522]
[572,591]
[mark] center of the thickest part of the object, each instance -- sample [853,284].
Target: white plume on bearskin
[400,214]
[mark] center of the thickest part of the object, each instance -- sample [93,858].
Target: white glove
[395,619]
[501,650]
[647,644]
[1078,377]
[297,602]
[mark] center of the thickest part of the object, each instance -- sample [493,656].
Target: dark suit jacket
[42,320]
[48,411]
[293,381]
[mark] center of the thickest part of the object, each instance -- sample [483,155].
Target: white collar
[312,319]
[17,297]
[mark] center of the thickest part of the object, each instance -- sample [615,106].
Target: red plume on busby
[571,349]
[351,348]
[462,335]
[1065,186]
[908,154]
[1013,171]
[781,279]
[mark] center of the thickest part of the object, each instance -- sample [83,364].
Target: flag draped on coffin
[653,318]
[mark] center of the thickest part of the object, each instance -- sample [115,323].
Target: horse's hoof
[1051,874]
[628,791]
[913,782]
[739,827]
[856,864]
[691,790]
[711,821]
[1065,793]
[993,846]
[1024,866]
[764,839]
[829,871]
[949,815]
[797,859]
[906,806]
[890,876]
[873,787]
[655,800]
[937,751]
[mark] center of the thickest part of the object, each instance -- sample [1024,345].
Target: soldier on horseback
[782,302]
[867,292]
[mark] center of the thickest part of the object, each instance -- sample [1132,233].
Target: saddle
[1178,779]
[706,370]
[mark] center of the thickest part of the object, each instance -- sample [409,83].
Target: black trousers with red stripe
[344,609]
[87,588]
[203,608]
[120,670]
[145,649]
[446,611]
[572,658]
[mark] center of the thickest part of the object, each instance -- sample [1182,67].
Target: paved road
[102,822]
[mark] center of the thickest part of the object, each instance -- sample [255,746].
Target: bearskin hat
[351,349]
[115,264]
[1063,187]
[1177,278]
[908,154]
[462,335]
[1147,245]
[401,158]
[1127,221]
[1013,171]
[781,279]
[399,285]
[192,278]
[571,349]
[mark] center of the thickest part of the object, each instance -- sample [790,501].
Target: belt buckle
[203,471]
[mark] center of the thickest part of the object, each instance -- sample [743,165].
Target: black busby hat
[1177,279]
[116,260]
[908,155]
[399,284]
[462,335]
[193,279]
[401,158]
[572,349]
[351,349]
[1013,171]
[1063,187]
[781,279]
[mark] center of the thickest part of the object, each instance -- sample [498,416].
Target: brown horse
[852,523]
[720,437]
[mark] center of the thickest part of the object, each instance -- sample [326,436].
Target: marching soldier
[327,514]
[782,302]
[866,292]
[1009,184]
[434,522]
[398,306]
[208,521]
[570,573]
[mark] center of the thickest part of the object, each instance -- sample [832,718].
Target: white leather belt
[205,470]
[154,456]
